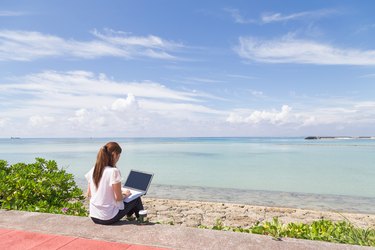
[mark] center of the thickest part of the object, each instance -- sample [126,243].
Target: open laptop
[138,184]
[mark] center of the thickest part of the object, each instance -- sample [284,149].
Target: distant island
[339,137]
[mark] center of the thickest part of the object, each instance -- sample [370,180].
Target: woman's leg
[131,207]
[137,206]
[102,222]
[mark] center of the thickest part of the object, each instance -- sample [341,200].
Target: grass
[323,230]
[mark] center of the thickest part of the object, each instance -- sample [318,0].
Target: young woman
[107,204]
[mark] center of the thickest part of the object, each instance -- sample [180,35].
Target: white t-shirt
[103,205]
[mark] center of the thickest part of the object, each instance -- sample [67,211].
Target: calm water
[331,174]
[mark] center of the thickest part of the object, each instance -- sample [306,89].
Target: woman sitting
[107,204]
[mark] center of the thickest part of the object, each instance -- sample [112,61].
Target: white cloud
[5,13]
[18,45]
[202,80]
[41,121]
[291,50]
[238,18]
[3,122]
[366,28]
[79,116]
[274,117]
[365,105]
[122,104]
[368,76]
[89,120]
[178,109]
[77,85]
[124,39]
[256,93]
[278,17]
[51,90]
[348,116]
[242,76]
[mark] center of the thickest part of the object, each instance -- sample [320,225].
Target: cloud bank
[18,45]
[292,50]
[81,102]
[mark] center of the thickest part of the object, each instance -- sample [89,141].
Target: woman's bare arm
[88,194]
[117,191]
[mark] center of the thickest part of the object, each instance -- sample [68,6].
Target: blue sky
[187,68]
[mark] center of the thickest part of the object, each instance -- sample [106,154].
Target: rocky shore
[195,213]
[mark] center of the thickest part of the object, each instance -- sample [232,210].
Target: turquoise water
[321,168]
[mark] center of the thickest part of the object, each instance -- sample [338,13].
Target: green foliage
[40,187]
[323,230]
[220,226]
[274,228]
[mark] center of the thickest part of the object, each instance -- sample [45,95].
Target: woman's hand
[126,192]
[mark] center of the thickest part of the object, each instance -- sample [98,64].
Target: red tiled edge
[22,240]
[81,244]
[16,239]
[4,231]
[56,242]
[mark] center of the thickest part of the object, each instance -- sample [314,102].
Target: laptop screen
[138,180]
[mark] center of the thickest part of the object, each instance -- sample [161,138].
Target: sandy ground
[195,213]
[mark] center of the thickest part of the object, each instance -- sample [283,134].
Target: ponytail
[105,158]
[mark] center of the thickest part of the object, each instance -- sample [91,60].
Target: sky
[166,68]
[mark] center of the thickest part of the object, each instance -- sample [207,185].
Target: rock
[195,213]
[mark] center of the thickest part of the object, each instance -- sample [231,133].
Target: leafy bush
[40,187]
[274,228]
[324,230]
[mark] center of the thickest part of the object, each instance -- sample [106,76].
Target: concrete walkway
[130,235]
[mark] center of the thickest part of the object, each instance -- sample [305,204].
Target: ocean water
[291,172]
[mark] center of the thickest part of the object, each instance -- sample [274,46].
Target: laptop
[138,183]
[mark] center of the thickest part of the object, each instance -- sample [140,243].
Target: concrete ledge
[174,237]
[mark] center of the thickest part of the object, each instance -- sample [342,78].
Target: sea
[324,174]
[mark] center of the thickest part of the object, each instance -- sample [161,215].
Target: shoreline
[309,201]
[196,213]
[287,200]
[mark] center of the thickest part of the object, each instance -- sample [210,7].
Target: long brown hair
[105,158]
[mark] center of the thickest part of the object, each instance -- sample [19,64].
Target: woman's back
[103,204]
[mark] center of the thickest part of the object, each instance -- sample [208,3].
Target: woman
[107,204]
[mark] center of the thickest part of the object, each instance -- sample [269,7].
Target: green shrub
[40,187]
[274,228]
[323,230]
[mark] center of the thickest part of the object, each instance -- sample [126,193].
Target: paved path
[17,239]
[81,232]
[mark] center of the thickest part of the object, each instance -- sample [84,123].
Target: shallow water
[277,171]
